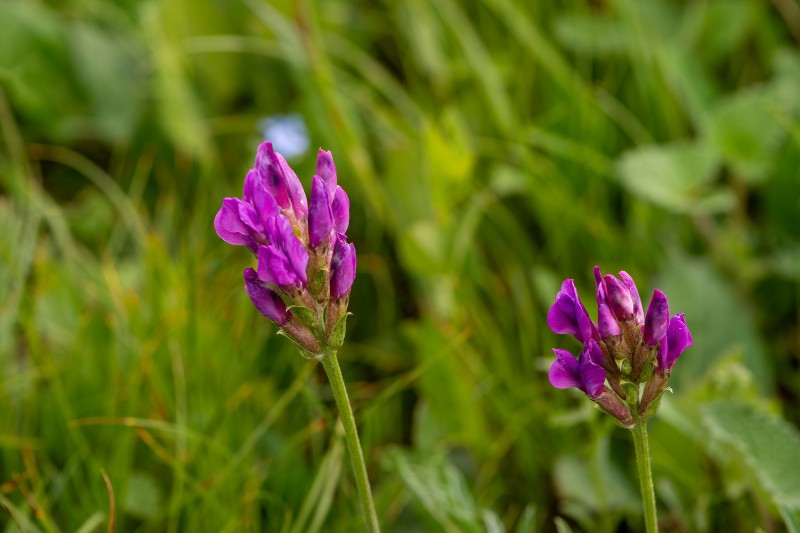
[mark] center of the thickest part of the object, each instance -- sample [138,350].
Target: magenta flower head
[626,349]
[306,267]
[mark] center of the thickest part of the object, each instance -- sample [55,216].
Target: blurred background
[490,150]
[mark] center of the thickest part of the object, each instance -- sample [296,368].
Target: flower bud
[343,267]
[657,319]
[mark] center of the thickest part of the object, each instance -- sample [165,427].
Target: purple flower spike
[675,342]
[606,322]
[638,312]
[568,315]
[657,319]
[343,267]
[282,263]
[585,373]
[320,218]
[340,206]
[327,170]
[265,299]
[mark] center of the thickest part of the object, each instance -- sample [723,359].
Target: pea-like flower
[305,267]
[626,348]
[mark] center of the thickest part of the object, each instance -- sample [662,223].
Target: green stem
[331,365]
[642,448]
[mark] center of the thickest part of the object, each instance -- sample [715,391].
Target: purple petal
[606,322]
[297,254]
[619,298]
[343,268]
[638,312]
[327,171]
[257,195]
[592,378]
[564,372]
[296,193]
[229,225]
[657,319]
[568,315]
[677,339]
[278,229]
[265,299]
[340,207]
[320,218]
[592,352]
[274,267]
[271,174]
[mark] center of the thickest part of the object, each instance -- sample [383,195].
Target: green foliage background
[490,149]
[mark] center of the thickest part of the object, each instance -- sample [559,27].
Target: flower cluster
[626,348]
[306,267]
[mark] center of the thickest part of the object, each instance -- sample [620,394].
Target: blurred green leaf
[744,130]
[439,488]
[769,445]
[676,176]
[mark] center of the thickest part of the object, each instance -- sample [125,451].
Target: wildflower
[626,348]
[305,267]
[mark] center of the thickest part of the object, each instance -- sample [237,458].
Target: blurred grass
[489,150]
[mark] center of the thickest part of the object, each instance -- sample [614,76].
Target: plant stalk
[331,365]
[642,448]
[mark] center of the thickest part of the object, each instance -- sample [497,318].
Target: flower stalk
[642,449]
[331,365]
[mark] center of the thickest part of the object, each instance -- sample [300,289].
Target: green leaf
[744,129]
[769,445]
[676,176]
[143,496]
[339,331]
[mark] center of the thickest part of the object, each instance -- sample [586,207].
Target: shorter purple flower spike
[265,299]
[343,267]
[675,342]
[327,170]
[568,315]
[584,373]
[340,207]
[320,218]
[657,319]
[638,312]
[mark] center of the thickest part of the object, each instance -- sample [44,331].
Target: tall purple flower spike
[585,373]
[343,268]
[568,315]
[675,342]
[292,242]
[626,349]
[657,319]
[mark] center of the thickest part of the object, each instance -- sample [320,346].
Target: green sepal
[317,283]
[647,371]
[624,365]
[654,405]
[338,332]
[632,392]
[306,316]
